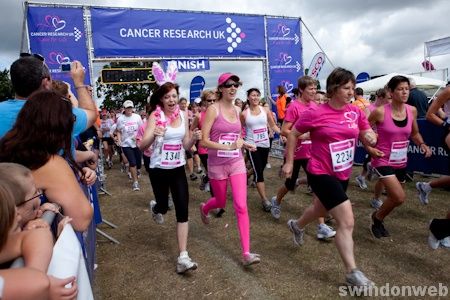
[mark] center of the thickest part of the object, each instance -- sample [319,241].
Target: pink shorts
[221,172]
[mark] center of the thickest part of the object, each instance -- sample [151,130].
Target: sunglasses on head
[235,84]
[35,55]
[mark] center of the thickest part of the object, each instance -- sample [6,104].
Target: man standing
[418,99]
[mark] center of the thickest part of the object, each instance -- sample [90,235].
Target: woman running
[256,120]
[221,134]
[168,132]
[334,128]
[396,123]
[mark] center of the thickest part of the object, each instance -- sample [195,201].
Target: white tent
[423,83]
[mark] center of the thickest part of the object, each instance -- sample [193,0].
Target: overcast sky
[378,37]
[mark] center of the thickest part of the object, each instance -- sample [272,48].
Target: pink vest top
[201,117]
[393,141]
[224,132]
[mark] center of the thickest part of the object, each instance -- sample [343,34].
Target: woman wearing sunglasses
[221,134]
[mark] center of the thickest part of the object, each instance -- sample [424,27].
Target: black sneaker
[377,228]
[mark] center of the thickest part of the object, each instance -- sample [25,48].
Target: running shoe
[376,203]
[275,209]
[268,166]
[377,228]
[205,217]
[325,232]
[297,233]
[266,205]
[445,242]
[136,186]
[357,278]
[361,182]
[250,259]
[184,264]
[170,204]
[423,194]
[157,217]
[433,242]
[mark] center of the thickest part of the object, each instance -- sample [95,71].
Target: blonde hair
[16,173]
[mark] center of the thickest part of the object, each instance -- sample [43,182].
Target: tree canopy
[6,91]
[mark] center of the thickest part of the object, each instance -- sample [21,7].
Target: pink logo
[53,21]
[57,58]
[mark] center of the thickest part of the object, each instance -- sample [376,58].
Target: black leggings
[174,179]
[290,182]
[440,228]
[258,159]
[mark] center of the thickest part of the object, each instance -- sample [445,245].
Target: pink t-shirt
[333,134]
[303,148]
[393,141]
[140,135]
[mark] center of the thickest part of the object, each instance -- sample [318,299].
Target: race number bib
[130,129]
[171,155]
[260,135]
[399,152]
[228,139]
[342,154]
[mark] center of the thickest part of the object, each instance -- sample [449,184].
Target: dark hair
[296,92]
[249,91]
[42,129]
[395,81]
[182,99]
[338,78]
[10,192]
[305,81]
[381,93]
[157,95]
[288,100]
[27,74]
[359,91]
[281,90]
[61,87]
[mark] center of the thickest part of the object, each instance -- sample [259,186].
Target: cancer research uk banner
[284,46]
[144,33]
[58,35]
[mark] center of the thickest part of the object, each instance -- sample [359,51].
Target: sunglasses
[35,55]
[210,100]
[235,84]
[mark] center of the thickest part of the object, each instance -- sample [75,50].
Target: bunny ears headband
[170,74]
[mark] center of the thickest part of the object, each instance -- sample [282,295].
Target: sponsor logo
[283,33]
[53,26]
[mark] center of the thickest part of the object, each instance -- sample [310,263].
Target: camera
[65,67]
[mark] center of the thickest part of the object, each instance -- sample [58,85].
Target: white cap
[198,100]
[128,104]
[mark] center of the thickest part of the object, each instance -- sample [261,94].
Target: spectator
[418,99]
[281,103]
[360,101]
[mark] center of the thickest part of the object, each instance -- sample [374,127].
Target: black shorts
[387,171]
[290,182]
[188,154]
[109,140]
[330,190]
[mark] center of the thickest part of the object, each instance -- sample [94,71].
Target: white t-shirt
[128,127]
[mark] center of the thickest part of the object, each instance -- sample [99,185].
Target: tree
[6,91]
[114,95]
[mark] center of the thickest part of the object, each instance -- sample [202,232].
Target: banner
[189,65]
[58,35]
[437,47]
[316,65]
[147,33]
[284,53]
[434,138]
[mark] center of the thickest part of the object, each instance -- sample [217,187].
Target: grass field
[143,265]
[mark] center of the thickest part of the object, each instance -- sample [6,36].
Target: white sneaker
[136,186]
[445,242]
[157,217]
[433,242]
[361,182]
[376,203]
[184,264]
[275,210]
[250,259]
[357,278]
[423,194]
[170,204]
[268,166]
[325,232]
[297,233]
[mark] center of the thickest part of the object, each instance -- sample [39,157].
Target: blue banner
[58,35]
[284,53]
[189,65]
[434,138]
[147,33]
[197,85]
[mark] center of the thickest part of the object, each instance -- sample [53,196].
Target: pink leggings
[239,190]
